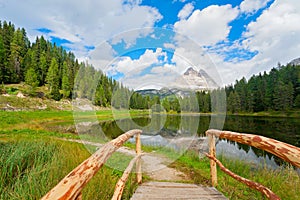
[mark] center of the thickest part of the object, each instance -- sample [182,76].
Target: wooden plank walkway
[170,190]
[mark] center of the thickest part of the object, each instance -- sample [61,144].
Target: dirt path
[153,164]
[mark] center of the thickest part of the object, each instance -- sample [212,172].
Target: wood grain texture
[264,190]
[169,190]
[122,181]
[213,166]
[282,150]
[70,187]
[138,151]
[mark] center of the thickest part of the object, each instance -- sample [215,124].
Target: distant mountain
[193,80]
[164,92]
[295,62]
[190,81]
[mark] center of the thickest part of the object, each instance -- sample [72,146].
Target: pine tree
[283,96]
[43,68]
[175,105]
[31,79]
[53,80]
[207,103]
[2,66]
[65,83]
[3,91]
[7,34]
[289,96]
[297,101]
[166,104]
[100,99]
[234,103]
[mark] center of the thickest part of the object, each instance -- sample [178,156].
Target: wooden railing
[282,150]
[71,186]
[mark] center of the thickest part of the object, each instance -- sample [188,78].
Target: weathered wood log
[282,150]
[70,187]
[79,197]
[213,166]
[264,190]
[122,181]
[138,150]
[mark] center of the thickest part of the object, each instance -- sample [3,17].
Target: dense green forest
[277,90]
[45,64]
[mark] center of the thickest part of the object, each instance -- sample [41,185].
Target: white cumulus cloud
[133,67]
[274,35]
[186,11]
[82,23]
[251,6]
[208,26]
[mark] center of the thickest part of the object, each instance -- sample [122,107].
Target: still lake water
[174,130]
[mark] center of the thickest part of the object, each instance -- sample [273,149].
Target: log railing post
[139,161]
[79,197]
[121,183]
[70,187]
[213,165]
[287,152]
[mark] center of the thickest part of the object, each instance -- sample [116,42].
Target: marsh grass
[30,167]
[284,181]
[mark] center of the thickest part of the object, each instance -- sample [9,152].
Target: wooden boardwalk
[170,190]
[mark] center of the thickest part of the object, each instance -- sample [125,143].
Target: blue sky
[148,43]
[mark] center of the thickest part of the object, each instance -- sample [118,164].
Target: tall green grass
[29,168]
[284,181]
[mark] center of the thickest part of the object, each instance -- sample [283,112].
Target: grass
[29,103]
[39,120]
[292,114]
[32,119]
[284,181]
[31,166]
[33,160]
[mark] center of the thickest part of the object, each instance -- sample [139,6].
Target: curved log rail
[121,183]
[282,150]
[70,187]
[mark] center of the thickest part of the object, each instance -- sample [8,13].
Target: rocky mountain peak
[194,80]
[295,62]
[190,80]
[190,71]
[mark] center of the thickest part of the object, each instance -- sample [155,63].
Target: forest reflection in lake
[168,127]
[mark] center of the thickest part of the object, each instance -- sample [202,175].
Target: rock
[191,79]
[295,62]
[20,95]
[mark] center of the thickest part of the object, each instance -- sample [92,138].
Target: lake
[181,131]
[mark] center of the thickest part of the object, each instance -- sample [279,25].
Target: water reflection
[246,153]
[187,131]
